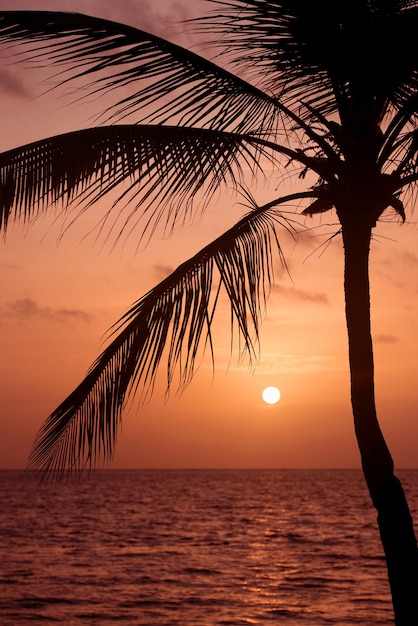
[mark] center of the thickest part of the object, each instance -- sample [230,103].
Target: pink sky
[60,297]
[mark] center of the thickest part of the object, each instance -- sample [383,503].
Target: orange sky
[59,298]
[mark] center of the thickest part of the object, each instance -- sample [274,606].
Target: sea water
[194,548]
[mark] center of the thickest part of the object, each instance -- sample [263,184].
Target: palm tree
[330,88]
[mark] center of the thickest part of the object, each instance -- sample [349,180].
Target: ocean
[194,548]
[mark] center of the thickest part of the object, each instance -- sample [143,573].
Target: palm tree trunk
[394,519]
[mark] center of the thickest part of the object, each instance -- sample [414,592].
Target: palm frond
[176,83]
[173,320]
[165,167]
[399,131]
[324,53]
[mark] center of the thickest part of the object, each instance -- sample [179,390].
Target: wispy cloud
[296,363]
[10,84]
[383,338]
[163,19]
[161,271]
[409,258]
[269,362]
[26,309]
[293,293]
[395,268]
[9,267]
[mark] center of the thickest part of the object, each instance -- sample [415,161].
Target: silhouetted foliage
[329,87]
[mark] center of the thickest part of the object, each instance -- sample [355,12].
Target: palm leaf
[175,82]
[325,53]
[173,319]
[399,131]
[165,168]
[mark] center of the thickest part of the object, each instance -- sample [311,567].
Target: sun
[271,395]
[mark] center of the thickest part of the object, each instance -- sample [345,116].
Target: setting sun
[271,395]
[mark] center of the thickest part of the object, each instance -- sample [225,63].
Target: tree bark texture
[394,519]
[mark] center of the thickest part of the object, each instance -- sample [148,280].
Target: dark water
[193,548]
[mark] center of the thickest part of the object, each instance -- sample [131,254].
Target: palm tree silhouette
[331,88]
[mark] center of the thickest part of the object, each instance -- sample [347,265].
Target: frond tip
[174,321]
[320,205]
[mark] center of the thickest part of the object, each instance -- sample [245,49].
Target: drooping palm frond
[173,319]
[399,131]
[165,167]
[326,53]
[176,83]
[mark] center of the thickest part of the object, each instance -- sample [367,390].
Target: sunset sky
[60,294]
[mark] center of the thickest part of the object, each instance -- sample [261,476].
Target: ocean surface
[193,548]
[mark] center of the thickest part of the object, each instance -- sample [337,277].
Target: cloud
[406,257]
[10,84]
[410,259]
[399,270]
[287,363]
[162,271]
[292,293]
[163,19]
[296,363]
[10,267]
[382,338]
[26,309]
